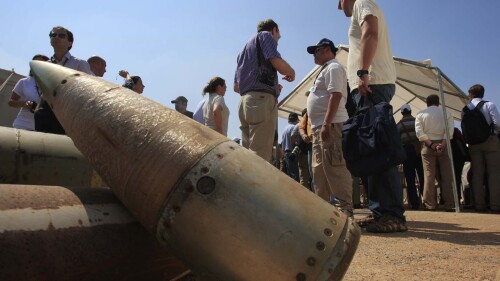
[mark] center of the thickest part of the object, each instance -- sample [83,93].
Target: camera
[295,152]
[33,106]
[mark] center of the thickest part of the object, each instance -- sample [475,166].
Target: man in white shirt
[430,128]
[327,112]
[485,157]
[371,71]
[61,39]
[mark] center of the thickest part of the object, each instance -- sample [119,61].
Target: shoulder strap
[480,104]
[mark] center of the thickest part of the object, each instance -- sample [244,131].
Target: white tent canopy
[415,82]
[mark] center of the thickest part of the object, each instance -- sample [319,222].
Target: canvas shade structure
[414,83]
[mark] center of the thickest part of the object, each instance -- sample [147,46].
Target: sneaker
[387,224]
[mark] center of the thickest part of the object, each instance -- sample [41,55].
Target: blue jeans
[292,167]
[385,193]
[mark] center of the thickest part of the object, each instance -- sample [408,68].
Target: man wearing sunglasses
[326,109]
[61,40]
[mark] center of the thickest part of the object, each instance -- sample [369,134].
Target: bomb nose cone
[49,76]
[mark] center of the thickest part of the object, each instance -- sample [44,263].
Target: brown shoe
[365,221]
[387,224]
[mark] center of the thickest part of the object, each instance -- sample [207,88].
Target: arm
[284,68]
[495,116]
[17,103]
[302,130]
[368,47]
[236,88]
[333,105]
[218,118]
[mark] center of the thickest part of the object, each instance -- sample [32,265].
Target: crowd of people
[312,145]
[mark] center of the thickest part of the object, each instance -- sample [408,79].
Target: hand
[27,104]
[364,85]
[306,138]
[325,132]
[123,73]
[289,78]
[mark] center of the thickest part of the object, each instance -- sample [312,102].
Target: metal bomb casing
[62,233]
[223,210]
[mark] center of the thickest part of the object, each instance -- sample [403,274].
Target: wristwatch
[361,72]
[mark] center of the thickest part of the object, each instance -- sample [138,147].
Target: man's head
[61,38]
[432,100]
[347,6]
[324,51]
[293,118]
[97,65]
[476,91]
[180,104]
[271,26]
[405,109]
[39,57]
[138,85]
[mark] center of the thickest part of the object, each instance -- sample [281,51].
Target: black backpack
[371,142]
[475,129]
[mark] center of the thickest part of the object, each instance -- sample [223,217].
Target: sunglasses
[318,49]
[60,35]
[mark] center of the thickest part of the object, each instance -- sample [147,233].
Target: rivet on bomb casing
[64,81]
[311,261]
[328,232]
[76,74]
[205,185]
[320,246]
[204,170]
[301,277]
[54,93]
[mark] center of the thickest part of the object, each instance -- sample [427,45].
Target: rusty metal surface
[220,208]
[58,233]
[37,158]
[130,140]
[229,224]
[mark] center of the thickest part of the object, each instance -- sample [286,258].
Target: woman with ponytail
[215,111]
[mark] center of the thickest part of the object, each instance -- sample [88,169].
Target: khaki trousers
[258,116]
[330,174]
[432,162]
[485,158]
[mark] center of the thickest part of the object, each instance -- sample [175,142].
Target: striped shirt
[247,74]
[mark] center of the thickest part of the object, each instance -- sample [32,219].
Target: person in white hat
[406,128]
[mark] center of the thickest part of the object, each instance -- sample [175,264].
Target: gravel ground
[437,246]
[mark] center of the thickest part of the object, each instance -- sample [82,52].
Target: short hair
[130,83]
[432,100]
[266,25]
[44,57]
[70,34]
[212,85]
[477,90]
[94,59]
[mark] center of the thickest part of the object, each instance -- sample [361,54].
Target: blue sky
[177,46]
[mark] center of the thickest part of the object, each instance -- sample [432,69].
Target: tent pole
[448,144]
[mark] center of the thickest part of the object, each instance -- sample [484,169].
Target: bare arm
[368,47]
[284,68]
[333,105]
[236,88]
[218,118]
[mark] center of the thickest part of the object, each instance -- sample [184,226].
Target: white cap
[405,107]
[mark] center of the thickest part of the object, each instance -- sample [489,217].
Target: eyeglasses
[60,35]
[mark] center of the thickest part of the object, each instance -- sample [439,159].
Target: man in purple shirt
[256,81]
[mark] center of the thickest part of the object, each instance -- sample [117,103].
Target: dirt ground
[437,246]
